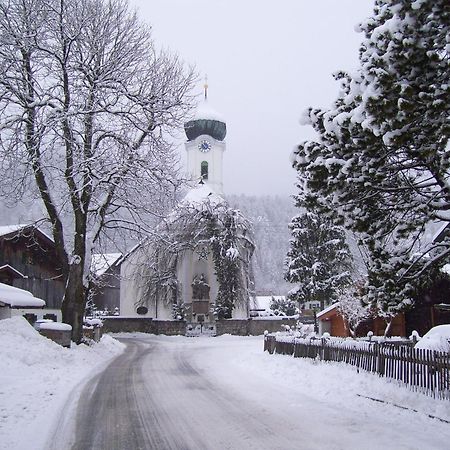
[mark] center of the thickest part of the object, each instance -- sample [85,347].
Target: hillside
[270,216]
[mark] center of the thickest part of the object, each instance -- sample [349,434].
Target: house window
[204,170]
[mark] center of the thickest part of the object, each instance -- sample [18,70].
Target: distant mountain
[270,216]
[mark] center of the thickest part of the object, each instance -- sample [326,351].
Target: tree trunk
[74,302]
[387,331]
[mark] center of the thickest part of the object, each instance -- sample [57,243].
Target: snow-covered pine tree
[284,306]
[381,163]
[318,260]
[224,235]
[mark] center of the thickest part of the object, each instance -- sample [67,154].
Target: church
[196,267]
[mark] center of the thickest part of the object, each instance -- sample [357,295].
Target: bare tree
[352,309]
[87,105]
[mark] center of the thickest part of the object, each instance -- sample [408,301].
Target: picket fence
[422,370]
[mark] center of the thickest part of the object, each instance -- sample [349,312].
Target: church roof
[201,193]
[206,121]
[204,111]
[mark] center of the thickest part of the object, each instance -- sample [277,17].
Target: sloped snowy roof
[9,229]
[441,232]
[101,262]
[264,301]
[327,309]
[201,193]
[19,298]
[8,268]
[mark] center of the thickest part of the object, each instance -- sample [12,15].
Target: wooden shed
[28,261]
[330,320]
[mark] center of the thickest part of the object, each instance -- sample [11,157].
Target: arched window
[204,170]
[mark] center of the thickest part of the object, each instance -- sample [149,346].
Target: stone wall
[238,327]
[128,325]
[143,325]
[169,327]
[258,326]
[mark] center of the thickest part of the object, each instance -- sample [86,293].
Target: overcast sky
[266,62]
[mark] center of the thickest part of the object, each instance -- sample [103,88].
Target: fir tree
[284,306]
[318,261]
[381,163]
[226,261]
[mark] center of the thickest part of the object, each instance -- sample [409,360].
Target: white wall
[214,158]
[132,285]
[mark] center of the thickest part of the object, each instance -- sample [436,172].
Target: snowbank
[333,383]
[36,377]
[438,339]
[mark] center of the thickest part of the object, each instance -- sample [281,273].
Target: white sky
[266,62]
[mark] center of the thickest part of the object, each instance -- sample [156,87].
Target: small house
[105,269]
[331,321]
[28,261]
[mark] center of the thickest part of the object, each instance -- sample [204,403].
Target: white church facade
[197,267]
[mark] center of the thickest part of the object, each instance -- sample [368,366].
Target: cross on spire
[205,86]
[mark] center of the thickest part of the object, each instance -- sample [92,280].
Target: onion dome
[206,121]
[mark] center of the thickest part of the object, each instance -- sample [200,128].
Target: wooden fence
[426,371]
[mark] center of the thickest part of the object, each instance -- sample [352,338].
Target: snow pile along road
[36,376]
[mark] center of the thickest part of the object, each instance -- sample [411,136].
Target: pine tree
[226,261]
[318,261]
[284,306]
[381,163]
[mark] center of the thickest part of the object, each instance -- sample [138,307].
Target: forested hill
[270,216]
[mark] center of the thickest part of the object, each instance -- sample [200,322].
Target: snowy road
[180,393]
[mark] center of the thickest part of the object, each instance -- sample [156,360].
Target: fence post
[269,344]
[380,359]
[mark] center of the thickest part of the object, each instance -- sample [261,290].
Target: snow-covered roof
[327,309]
[101,262]
[7,267]
[205,112]
[19,298]
[441,232]
[9,229]
[201,193]
[264,301]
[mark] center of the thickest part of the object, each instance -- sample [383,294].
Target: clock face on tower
[204,146]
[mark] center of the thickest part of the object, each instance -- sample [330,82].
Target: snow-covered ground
[37,376]
[331,382]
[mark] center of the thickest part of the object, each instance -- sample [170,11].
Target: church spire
[205,86]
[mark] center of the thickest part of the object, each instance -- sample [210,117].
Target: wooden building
[28,261]
[106,281]
[331,321]
[431,307]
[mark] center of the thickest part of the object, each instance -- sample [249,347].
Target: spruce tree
[381,163]
[318,260]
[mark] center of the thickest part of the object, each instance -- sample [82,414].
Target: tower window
[204,170]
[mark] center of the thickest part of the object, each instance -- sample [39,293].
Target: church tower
[205,146]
